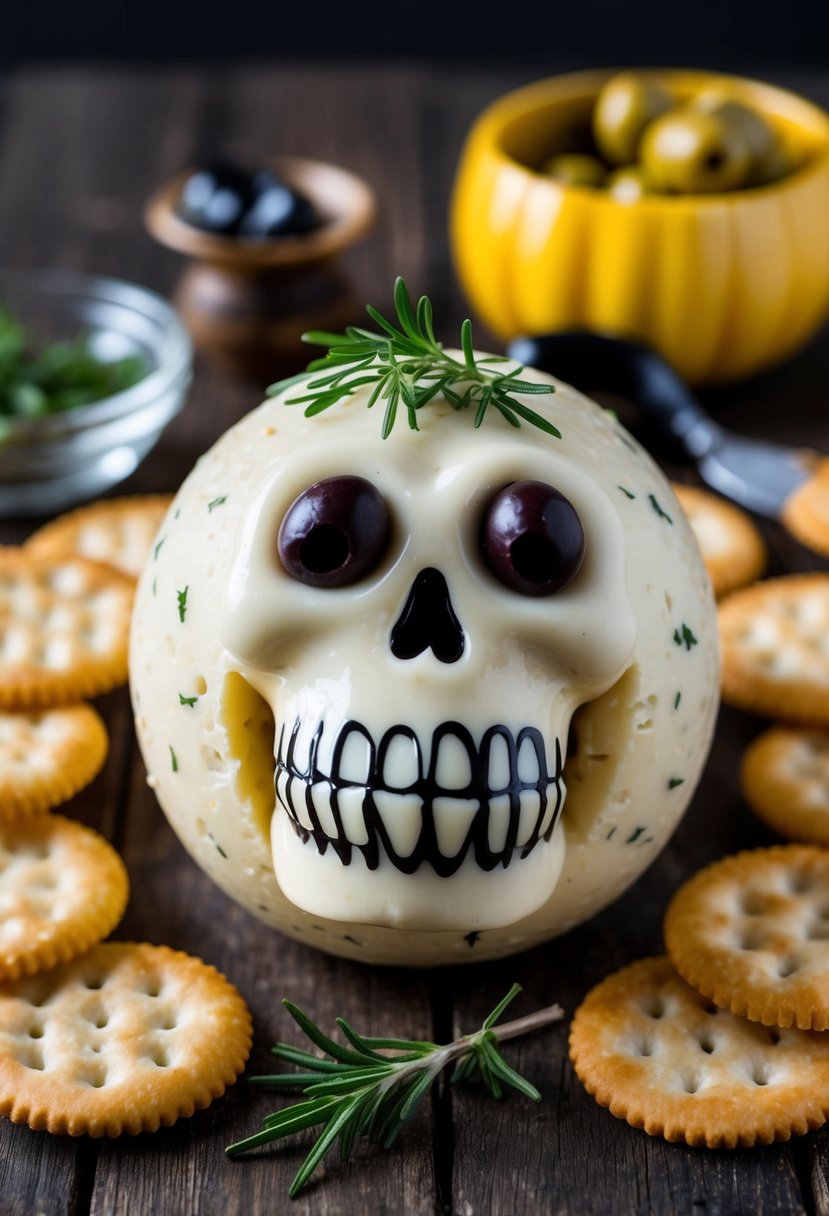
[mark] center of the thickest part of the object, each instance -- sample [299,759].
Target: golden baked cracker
[732,548]
[46,757]
[127,1038]
[774,639]
[62,888]
[785,780]
[659,1055]
[751,932]
[64,629]
[117,531]
[806,512]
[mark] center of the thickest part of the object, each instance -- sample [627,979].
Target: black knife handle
[594,362]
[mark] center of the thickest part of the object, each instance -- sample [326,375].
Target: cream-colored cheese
[628,647]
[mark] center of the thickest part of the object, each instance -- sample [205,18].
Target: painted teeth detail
[496,800]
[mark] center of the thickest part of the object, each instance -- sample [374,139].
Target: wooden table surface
[79,152]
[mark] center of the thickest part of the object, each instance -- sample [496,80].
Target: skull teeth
[496,801]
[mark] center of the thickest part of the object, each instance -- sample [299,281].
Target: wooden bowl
[722,284]
[248,300]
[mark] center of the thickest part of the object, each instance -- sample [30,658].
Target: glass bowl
[49,464]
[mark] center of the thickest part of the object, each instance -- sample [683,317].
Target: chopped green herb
[182,700]
[219,848]
[662,514]
[154,587]
[408,366]
[627,493]
[684,637]
[173,761]
[675,781]
[634,836]
[157,548]
[177,512]
[677,700]
[182,603]
[611,833]
[217,502]
[57,378]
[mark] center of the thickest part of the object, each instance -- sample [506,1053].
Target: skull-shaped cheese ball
[430,698]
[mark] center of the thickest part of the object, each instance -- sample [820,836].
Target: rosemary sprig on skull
[375,1085]
[408,365]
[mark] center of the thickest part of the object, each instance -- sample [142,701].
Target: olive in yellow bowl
[723,284]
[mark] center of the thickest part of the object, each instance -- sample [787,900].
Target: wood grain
[80,150]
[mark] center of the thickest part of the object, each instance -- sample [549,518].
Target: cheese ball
[426,699]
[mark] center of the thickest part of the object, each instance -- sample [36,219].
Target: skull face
[355,661]
[423,617]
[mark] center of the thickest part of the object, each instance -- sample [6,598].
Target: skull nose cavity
[428,621]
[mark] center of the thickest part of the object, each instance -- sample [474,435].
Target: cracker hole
[654,1006]
[774,1037]
[759,1074]
[787,967]
[153,988]
[643,1047]
[94,983]
[160,1057]
[818,931]
[99,1020]
[35,1032]
[801,883]
[754,904]
[690,1083]
[706,1043]
[750,939]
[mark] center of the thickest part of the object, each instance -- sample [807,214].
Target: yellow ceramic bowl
[722,284]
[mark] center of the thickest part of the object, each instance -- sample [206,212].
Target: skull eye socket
[532,538]
[334,533]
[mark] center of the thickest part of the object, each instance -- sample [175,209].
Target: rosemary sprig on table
[407,365]
[374,1086]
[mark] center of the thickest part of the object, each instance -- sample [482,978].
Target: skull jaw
[471,899]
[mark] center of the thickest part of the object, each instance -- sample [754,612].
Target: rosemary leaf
[405,362]
[373,1087]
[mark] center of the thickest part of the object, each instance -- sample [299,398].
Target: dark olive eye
[334,533]
[532,538]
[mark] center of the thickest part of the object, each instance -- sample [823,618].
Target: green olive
[779,163]
[575,169]
[624,108]
[690,152]
[758,134]
[629,184]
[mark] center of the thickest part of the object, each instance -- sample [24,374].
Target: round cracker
[64,629]
[47,757]
[117,531]
[785,780]
[751,932]
[659,1055]
[806,512]
[128,1038]
[62,888]
[732,548]
[774,640]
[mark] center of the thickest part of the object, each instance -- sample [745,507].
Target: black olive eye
[532,538]
[334,533]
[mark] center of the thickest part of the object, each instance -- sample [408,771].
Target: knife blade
[757,474]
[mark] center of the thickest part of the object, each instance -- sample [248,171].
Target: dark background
[577,33]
